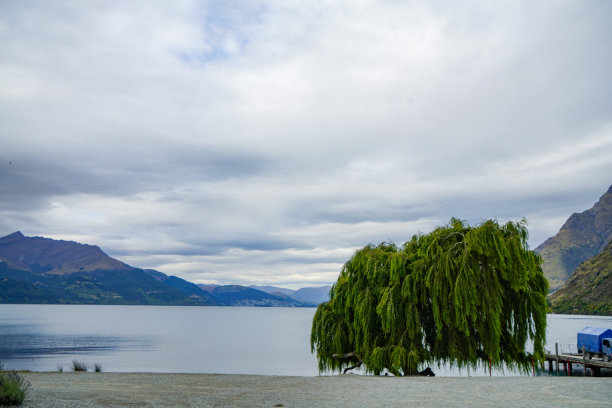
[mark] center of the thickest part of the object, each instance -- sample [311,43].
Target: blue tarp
[591,338]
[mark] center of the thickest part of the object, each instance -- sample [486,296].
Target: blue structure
[592,338]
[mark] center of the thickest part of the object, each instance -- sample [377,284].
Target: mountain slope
[55,257]
[95,287]
[589,289]
[42,270]
[582,236]
[190,289]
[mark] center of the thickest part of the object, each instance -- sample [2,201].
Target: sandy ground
[204,390]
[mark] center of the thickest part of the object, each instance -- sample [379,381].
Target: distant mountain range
[236,295]
[253,295]
[43,270]
[577,264]
[273,289]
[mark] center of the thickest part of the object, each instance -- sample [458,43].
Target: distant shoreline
[230,390]
[234,306]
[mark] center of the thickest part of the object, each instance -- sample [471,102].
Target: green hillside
[589,289]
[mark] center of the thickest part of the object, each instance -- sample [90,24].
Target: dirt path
[204,390]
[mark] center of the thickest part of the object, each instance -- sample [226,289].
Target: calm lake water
[232,340]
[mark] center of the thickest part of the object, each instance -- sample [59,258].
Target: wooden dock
[566,361]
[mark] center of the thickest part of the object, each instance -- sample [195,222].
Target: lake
[229,340]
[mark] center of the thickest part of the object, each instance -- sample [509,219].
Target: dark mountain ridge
[43,270]
[188,288]
[45,255]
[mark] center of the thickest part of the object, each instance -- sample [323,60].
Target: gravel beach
[206,390]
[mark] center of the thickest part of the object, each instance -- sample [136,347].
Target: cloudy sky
[263,142]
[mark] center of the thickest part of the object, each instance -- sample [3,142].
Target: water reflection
[31,345]
[270,341]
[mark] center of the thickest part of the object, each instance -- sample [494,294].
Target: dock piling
[584,368]
[590,366]
[557,357]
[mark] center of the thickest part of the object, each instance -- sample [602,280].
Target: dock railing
[566,360]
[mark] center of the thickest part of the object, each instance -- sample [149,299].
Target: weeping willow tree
[460,295]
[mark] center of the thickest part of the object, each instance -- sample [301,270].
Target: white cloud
[264,141]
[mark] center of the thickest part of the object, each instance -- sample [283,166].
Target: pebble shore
[208,390]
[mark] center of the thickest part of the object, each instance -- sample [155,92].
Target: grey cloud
[352,210]
[218,247]
[228,137]
[31,181]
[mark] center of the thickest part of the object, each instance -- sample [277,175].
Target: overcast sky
[263,142]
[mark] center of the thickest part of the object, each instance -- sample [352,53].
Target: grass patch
[13,387]
[97,368]
[79,365]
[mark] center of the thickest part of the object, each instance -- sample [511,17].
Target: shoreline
[70,389]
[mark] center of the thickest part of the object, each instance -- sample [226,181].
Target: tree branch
[349,355]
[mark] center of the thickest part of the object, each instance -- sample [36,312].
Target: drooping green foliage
[462,295]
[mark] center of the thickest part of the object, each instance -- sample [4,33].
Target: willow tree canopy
[460,294]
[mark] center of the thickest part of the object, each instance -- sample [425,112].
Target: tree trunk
[349,355]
